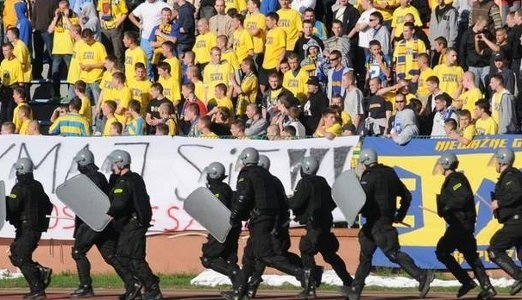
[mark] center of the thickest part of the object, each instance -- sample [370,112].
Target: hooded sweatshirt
[406,126]
[24,25]
[89,19]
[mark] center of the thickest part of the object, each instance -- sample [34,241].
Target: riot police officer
[456,205]
[221,257]
[257,202]
[85,237]
[507,208]
[27,208]
[132,213]
[280,238]
[312,205]
[382,187]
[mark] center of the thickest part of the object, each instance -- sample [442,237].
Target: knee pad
[77,255]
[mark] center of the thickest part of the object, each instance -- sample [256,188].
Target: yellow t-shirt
[398,18]
[132,57]
[449,77]
[225,102]
[422,89]
[209,135]
[242,44]
[387,12]
[74,67]
[346,118]
[404,60]
[62,41]
[111,11]
[140,90]
[11,71]
[290,22]
[175,67]
[199,91]
[22,54]
[249,87]
[91,54]
[495,105]
[257,21]
[107,127]
[16,119]
[274,47]
[296,84]
[122,97]
[204,42]
[469,132]
[239,5]
[173,127]
[335,129]
[171,88]
[106,80]
[215,74]
[86,109]
[468,98]
[486,127]
[24,127]
[230,56]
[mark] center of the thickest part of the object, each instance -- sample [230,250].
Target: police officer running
[506,203]
[280,237]
[382,186]
[457,206]
[85,237]
[132,213]
[221,257]
[257,201]
[27,208]
[312,205]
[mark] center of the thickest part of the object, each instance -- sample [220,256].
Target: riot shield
[3,213]
[348,194]
[86,200]
[211,213]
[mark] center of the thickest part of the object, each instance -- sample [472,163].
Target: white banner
[170,166]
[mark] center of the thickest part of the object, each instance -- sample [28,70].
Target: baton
[483,200]
[428,210]
[405,224]
[59,218]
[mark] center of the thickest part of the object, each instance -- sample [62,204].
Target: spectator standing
[255,23]
[187,26]
[42,39]
[475,54]
[221,23]
[443,22]
[112,15]
[290,22]
[503,106]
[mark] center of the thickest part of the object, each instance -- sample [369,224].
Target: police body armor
[138,208]
[319,205]
[508,191]
[456,202]
[36,204]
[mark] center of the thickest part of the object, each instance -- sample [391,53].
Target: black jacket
[186,21]
[312,202]
[456,203]
[382,187]
[508,192]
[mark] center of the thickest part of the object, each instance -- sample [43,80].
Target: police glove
[399,217]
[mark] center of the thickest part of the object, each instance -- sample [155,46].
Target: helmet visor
[203,177]
[239,164]
[107,165]
[437,168]
[493,161]
[73,169]
[12,172]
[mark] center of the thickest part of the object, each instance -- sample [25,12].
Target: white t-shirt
[301,5]
[150,15]
[366,35]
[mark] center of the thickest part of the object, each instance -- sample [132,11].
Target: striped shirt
[71,124]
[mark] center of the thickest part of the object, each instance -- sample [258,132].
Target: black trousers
[383,235]
[25,242]
[222,257]
[321,240]
[130,255]
[509,236]
[105,241]
[457,237]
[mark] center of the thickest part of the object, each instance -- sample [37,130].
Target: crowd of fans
[266,69]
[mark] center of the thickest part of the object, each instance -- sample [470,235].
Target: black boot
[351,292]
[153,293]
[516,288]
[124,296]
[133,291]
[488,292]
[39,295]
[307,284]
[465,288]
[45,275]
[253,285]
[237,294]
[424,283]
[84,291]
[317,274]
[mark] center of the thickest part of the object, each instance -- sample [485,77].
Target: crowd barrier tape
[414,164]
[170,166]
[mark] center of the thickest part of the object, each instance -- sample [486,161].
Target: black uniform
[222,257]
[382,186]
[281,242]
[85,237]
[130,207]
[312,204]
[456,205]
[27,207]
[256,192]
[508,193]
